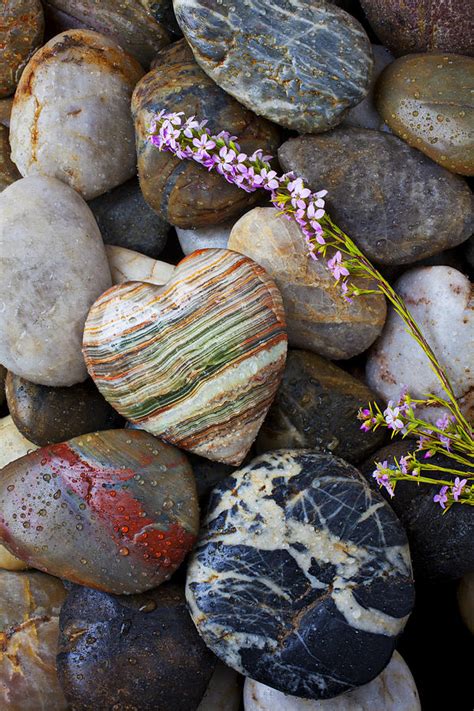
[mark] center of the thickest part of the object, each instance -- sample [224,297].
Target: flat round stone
[131,652]
[29,626]
[127,22]
[47,415]
[21,35]
[125,220]
[301,577]
[318,317]
[84,136]
[426,99]
[182,192]
[316,407]
[373,179]
[300,63]
[113,510]
[53,267]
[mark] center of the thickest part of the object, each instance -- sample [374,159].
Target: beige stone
[12,446]
[71,113]
[53,268]
[127,265]
[318,317]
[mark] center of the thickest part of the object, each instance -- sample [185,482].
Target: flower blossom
[382,478]
[336,267]
[458,486]
[391,414]
[442,497]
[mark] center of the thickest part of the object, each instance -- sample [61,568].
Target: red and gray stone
[114,510]
[301,578]
[299,63]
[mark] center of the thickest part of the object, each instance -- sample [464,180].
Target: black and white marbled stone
[301,578]
[300,63]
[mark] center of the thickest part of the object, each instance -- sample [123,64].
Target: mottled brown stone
[427,99]
[139,652]
[29,626]
[126,21]
[318,318]
[5,111]
[393,201]
[406,26]
[46,415]
[184,193]
[21,33]
[316,406]
[8,170]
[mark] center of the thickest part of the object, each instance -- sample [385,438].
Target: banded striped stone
[196,362]
[300,63]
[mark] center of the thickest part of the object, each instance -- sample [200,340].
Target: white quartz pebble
[224,691]
[440,300]
[127,265]
[12,446]
[215,236]
[53,267]
[392,690]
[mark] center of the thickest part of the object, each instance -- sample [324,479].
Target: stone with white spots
[440,300]
[53,267]
[12,446]
[71,115]
[205,237]
[128,265]
[392,690]
[297,554]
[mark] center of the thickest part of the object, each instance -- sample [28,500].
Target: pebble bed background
[302,585]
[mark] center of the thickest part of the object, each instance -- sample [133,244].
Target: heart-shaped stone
[196,362]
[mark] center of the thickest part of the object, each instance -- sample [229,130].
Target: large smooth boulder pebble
[125,220]
[316,407]
[224,691]
[12,446]
[365,114]
[441,546]
[196,362]
[301,64]
[394,202]
[85,136]
[131,652]
[421,25]
[21,33]
[127,23]
[113,510]
[29,626]
[8,170]
[46,415]
[392,690]
[466,600]
[318,317]
[426,99]
[301,577]
[127,265]
[441,302]
[54,266]
[205,237]
[182,192]
[162,11]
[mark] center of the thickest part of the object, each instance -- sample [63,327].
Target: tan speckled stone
[85,136]
[127,265]
[426,99]
[318,317]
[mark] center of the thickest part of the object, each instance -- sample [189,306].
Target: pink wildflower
[391,414]
[441,498]
[382,478]
[336,267]
[458,486]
